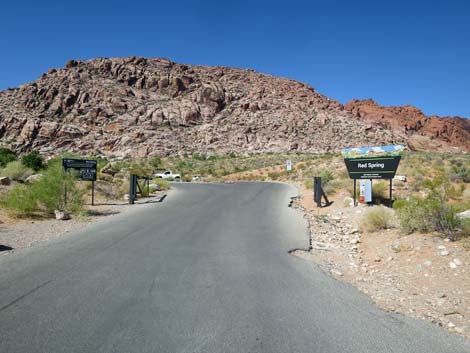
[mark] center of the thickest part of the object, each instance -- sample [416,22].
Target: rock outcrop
[141,107]
[422,132]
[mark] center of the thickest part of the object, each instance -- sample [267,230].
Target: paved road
[208,270]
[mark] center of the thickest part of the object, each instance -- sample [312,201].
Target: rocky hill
[422,132]
[139,107]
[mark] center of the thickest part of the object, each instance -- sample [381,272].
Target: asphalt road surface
[207,270]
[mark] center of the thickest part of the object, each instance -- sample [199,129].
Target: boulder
[5,181]
[463,215]
[400,177]
[33,178]
[61,215]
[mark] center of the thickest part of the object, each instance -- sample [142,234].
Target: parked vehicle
[168,174]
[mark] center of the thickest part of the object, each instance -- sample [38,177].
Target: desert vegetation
[436,188]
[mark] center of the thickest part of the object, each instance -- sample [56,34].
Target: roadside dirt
[16,233]
[421,275]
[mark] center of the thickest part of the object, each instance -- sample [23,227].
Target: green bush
[17,171]
[308,183]
[377,218]
[431,213]
[6,156]
[460,173]
[326,177]
[33,160]
[333,186]
[380,191]
[400,203]
[162,184]
[47,194]
[274,175]
[155,162]
[465,228]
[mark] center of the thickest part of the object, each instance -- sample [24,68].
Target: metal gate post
[132,188]
[317,190]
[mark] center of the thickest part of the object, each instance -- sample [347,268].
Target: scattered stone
[450,325]
[443,253]
[396,247]
[400,177]
[463,215]
[458,262]
[5,181]
[337,273]
[316,245]
[61,215]
[33,178]
[452,265]
[427,263]
[348,202]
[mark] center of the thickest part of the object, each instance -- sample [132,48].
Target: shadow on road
[5,248]
[138,201]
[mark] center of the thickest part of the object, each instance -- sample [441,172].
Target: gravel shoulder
[16,234]
[420,275]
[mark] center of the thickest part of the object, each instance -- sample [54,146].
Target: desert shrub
[377,218]
[400,203]
[47,194]
[460,172]
[455,192]
[380,191]
[308,183]
[20,201]
[431,213]
[465,228]
[17,171]
[140,169]
[332,186]
[6,156]
[326,177]
[102,162]
[187,178]
[199,157]
[155,162]
[33,160]
[343,174]
[162,184]
[274,175]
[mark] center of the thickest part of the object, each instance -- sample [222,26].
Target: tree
[6,156]
[33,160]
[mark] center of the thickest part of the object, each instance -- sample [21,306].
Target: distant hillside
[140,107]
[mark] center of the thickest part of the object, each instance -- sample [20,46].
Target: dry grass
[377,218]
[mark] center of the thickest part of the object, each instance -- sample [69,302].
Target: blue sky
[396,52]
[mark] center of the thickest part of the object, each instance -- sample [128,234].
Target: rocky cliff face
[141,107]
[421,132]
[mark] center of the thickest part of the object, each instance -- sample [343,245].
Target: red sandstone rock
[137,107]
